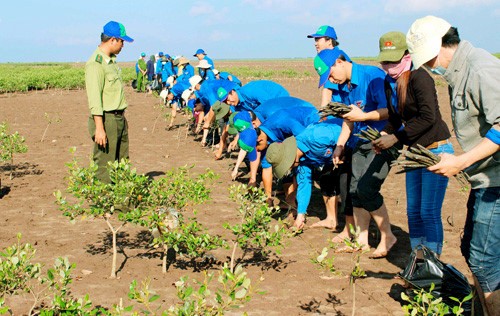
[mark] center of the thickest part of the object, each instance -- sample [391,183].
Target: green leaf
[50,274]
[154,298]
[241,293]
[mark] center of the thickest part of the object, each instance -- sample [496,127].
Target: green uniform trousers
[117,144]
[141,82]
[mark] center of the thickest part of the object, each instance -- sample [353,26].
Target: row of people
[286,137]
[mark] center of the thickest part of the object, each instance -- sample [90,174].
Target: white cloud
[289,5]
[427,5]
[200,8]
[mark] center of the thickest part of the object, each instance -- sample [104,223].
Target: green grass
[41,76]
[497,55]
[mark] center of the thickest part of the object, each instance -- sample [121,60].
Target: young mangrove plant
[255,231]
[122,198]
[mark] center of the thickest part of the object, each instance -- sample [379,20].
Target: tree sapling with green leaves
[95,199]
[10,144]
[255,231]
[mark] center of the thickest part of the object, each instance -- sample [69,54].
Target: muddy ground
[292,284]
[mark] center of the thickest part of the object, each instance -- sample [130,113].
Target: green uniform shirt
[142,64]
[104,84]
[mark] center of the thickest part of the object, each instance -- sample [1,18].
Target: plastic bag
[448,281]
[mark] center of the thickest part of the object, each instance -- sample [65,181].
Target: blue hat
[167,56]
[247,142]
[323,31]
[115,29]
[324,61]
[199,51]
[242,121]
[160,54]
[143,54]
[223,87]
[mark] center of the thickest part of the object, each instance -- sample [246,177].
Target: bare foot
[384,247]
[341,237]
[348,249]
[326,223]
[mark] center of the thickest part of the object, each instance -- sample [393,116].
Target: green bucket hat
[232,130]
[392,47]
[282,156]
[220,109]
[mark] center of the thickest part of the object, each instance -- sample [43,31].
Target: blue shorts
[481,241]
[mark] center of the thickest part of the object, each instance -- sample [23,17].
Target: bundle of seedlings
[335,109]
[420,157]
[371,134]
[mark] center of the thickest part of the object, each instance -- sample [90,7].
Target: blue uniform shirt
[179,88]
[225,75]
[187,72]
[285,123]
[208,90]
[210,61]
[266,109]
[166,70]
[367,92]
[257,92]
[158,65]
[206,74]
[335,91]
[317,142]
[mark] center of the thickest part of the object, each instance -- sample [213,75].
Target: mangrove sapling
[162,108]
[357,271]
[324,261]
[255,230]
[168,198]
[50,292]
[187,238]
[196,297]
[422,302]
[10,144]
[49,120]
[96,199]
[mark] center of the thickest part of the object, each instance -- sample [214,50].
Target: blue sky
[68,30]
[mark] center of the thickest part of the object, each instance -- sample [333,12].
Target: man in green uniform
[107,123]
[141,75]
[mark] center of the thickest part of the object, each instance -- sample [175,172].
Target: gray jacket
[474,85]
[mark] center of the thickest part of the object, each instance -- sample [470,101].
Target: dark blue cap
[199,51]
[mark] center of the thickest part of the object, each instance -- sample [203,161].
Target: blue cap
[199,51]
[323,31]
[167,56]
[223,87]
[242,121]
[247,142]
[160,54]
[117,30]
[324,61]
[143,54]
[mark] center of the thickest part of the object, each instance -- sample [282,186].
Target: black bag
[448,281]
[155,85]
[134,84]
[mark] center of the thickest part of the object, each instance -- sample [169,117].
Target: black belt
[115,112]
